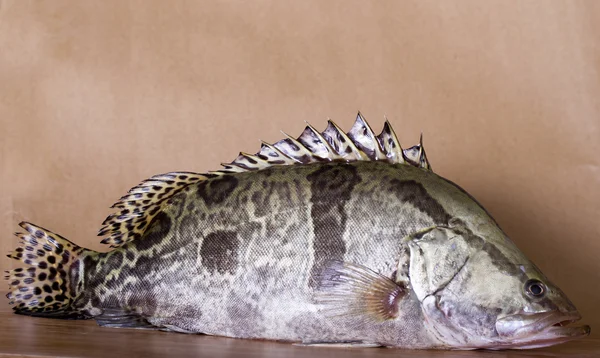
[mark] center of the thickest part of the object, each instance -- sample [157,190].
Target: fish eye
[535,288]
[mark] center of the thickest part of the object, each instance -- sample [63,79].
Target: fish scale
[330,238]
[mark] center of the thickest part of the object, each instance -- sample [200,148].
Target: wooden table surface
[22,336]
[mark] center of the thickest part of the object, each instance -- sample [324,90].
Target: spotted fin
[142,203]
[348,289]
[48,286]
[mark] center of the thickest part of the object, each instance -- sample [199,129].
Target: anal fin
[119,318]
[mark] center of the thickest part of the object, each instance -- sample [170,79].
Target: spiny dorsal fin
[312,146]
[144,201]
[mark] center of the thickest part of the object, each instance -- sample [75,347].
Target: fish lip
[540,329]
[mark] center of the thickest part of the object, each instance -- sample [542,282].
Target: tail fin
[48,286]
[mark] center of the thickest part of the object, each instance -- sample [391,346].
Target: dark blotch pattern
[331,187]
[414,193]
[158,230]
[219,252]
[216,190]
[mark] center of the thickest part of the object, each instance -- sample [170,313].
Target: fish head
[480,292]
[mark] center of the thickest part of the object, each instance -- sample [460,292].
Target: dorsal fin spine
[344,142]
[390,144]
[284,157]
[423,162]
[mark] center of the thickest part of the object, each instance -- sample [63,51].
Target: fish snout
[552,323]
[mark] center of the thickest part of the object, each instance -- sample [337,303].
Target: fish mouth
[524,331]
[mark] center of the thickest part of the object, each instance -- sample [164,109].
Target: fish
[327,239]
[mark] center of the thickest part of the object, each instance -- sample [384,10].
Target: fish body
[330,238]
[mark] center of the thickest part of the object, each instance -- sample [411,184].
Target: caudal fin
[51,280]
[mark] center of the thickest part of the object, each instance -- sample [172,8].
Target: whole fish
[332,238]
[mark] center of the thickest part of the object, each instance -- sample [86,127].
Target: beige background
[98,95]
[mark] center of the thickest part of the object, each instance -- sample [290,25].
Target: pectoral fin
[348,289]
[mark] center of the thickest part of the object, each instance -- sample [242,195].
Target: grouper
[330,238]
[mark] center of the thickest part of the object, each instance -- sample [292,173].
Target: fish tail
[49,284]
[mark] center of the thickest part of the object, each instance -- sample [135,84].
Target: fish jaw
[525,331]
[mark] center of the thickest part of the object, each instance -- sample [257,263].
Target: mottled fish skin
[241,255]
[331,238]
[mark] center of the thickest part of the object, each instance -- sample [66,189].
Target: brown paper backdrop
[95,96]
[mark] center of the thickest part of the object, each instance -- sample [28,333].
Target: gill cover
[436,256]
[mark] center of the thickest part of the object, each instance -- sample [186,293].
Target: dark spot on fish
[305,159]
[28,281]
[292,144]
[52,274]
[48,299]
[42,276]
[65,257]
[216,190]
[331,187]
[158,230]
[51,259]
[129,255]
[219,252]
[414,193]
